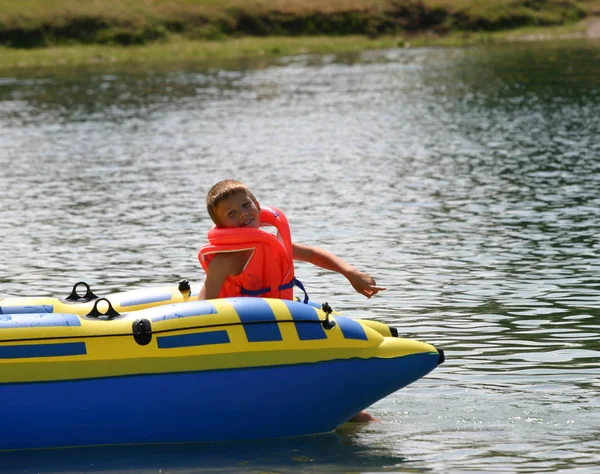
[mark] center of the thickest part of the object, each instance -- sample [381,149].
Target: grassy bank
[38,32]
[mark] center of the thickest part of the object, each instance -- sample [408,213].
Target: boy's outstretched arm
[361,282]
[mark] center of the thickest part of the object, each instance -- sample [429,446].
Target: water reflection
[322,453]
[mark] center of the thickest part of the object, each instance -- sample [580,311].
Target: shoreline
[180,49]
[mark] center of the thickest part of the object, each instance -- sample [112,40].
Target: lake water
[467,181]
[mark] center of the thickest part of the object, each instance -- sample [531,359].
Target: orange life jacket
[269,272]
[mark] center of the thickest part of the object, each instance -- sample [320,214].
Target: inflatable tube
[200,371]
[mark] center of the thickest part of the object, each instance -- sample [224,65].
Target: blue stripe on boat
[306,331]
[42,350]
[146,299]
[351,329]
[38,320]
[253,310]
[44,308]
[184,310]
[190,340]
[313,304]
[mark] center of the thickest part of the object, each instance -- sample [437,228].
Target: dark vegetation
[145,21]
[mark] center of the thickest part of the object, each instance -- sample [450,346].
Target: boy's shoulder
[230,263]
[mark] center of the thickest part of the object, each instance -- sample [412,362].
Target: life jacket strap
[245,292]
[285,286]
[298,283]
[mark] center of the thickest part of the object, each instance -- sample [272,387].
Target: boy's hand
[363,283]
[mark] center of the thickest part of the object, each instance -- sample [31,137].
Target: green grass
[35,23]
[73,32]
[181,50]
[184,50]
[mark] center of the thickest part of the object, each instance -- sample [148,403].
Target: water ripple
[464,180]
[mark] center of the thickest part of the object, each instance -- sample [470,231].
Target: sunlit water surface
[467,181]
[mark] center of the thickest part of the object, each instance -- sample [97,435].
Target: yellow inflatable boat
[196,371]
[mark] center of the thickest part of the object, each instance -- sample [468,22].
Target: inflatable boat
[196,371]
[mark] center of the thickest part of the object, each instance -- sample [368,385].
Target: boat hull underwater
[197,371]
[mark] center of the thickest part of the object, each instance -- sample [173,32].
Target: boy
[248,261]
[252,263]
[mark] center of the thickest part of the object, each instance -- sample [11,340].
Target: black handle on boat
[74,296]
[142,331]
[328,323]
[184,285]
[110,312]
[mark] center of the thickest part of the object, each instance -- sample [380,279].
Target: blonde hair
[222,190]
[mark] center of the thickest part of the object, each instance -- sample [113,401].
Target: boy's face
[238,210]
